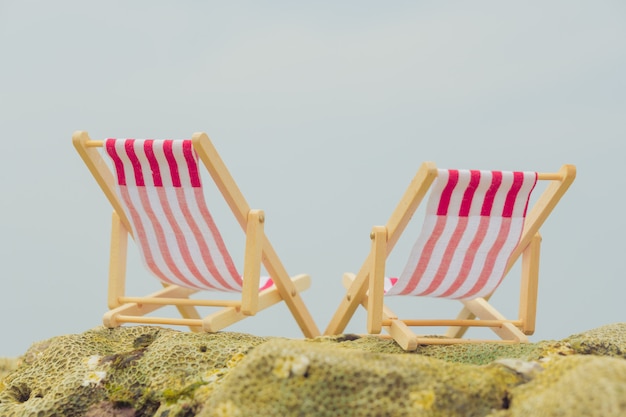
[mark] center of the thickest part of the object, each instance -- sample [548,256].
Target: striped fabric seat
[473,222]
[159,185]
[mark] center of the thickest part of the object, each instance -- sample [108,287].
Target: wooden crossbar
[180,301]
[550,176]
[453,322]
[542,176]
[158,320]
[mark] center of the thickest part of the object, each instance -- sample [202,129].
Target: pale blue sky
[322,111]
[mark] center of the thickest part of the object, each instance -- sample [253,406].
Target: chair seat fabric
[474,220]
[160,187]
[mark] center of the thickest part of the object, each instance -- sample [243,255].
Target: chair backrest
[161,191]
[473,223]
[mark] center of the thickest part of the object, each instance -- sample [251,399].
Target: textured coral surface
[152,371]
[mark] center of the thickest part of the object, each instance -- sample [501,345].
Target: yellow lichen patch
[226,409]
[235,359]
[214,375]
[422,400]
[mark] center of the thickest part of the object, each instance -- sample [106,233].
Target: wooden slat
[453,322]
[159,320]
[180,301]
[377,280]
[252,263]
[529,285]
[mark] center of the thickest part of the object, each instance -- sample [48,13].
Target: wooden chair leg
[376,280]
[529,285]
[288,291]
[252,263]
[403,335]
[117,261]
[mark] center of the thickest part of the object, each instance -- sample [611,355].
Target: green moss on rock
[468,353]
[609,340]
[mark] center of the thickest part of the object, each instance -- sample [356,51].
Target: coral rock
[152,371]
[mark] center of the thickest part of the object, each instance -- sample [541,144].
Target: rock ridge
[153,371]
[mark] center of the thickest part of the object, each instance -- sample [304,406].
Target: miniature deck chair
[158,199]
[474,230]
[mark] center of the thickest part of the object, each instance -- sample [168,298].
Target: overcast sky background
[322,111]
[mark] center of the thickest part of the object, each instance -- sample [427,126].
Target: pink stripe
[160,237]
[490,195]
[171,162]
[117,161]
[180,237]
[217,237]
[148,148]
[511,196]
[490,261]
[267,284]
[448,255]
[141,237]
[425,256]
[143,217]
[468,197]
[233,284]
[192,163]
[132,156]
[469,258]
[529,192]
[446,194]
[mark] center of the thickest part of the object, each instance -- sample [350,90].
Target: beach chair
[155,189]
[475,228]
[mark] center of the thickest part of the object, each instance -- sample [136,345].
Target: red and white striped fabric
[474,221]
[159,185]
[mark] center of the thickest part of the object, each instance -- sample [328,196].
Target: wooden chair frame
[366,287]
[258,249]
